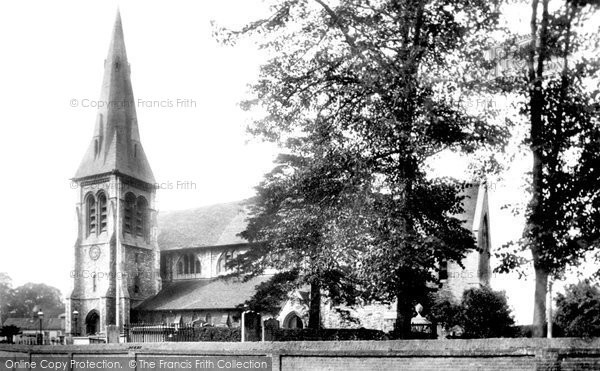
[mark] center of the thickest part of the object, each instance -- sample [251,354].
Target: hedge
[328,334]
[208,333]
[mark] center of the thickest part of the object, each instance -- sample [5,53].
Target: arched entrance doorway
[292,320]
[92,323]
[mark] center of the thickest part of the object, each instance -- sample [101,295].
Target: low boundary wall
[477,354]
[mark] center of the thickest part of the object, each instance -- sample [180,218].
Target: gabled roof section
[217,293]
[116,146]
[214,225]
[220,224]
[474,205]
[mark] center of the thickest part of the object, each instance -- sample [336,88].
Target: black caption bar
[139,363]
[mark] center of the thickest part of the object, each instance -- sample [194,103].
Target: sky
[51,72]
[51,75]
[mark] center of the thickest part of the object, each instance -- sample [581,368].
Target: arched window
[293,321]
[189,264]
[102,212]
[225,258]
[141,216]
[180,266]
[90,203]
[186,264]
[197,267]
[129,213]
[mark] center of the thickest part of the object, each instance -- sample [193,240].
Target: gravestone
[112,334]
[270,326]
[252,326]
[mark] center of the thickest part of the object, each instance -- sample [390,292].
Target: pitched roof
[214,225]
[219,224]
[34,323]
[116,146]
[216,293]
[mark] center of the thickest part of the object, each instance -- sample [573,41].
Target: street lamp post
[74,329]
[41,317]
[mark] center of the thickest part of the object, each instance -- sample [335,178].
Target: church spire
[116,146]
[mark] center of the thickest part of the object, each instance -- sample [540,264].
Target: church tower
[116,252]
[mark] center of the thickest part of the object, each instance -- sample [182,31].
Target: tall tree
[294,219]
[362,94]
[6,293]
[563,216]
[34,296]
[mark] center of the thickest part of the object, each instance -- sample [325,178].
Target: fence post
[243,326]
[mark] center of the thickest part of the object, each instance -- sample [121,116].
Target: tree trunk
[404,313]
[314,313]
[539,308]
[536,101]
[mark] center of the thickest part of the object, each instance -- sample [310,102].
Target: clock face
[94,252]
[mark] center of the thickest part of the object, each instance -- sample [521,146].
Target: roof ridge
[238,202]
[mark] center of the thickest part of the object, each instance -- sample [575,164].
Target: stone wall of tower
[100,266]
[140,254]
[94,269]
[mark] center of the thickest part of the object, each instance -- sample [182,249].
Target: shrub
[482,313]
[208,333]
[485,313]
[578,310]
[445,310]
[330,334]
[9,331]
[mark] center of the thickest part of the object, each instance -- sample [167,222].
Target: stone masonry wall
[483,354]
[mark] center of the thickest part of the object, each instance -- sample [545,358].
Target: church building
[132,265]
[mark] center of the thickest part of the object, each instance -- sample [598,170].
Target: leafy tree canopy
[482,313]
[578,310]
[361,94]
[26,300]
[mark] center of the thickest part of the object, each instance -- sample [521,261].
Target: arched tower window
[141,216]
[128,217]
[102,212]
[90,204]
